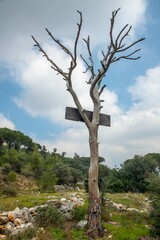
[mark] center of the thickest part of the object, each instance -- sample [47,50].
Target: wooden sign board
[74,115]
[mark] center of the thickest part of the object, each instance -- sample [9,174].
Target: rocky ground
[13,222]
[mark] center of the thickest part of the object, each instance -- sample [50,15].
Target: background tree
[134,172]
[116,51]
[16,140]
[154,188]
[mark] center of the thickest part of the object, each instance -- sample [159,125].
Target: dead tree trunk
[94,211]
[114,53]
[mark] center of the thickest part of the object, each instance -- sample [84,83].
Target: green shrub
[48,216]
[43,234]
[79,213]
[12,176]
[9,192]
[6,168]
[155,218]
[25,235]
[154,187]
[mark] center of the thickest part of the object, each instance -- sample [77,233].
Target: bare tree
[116,51]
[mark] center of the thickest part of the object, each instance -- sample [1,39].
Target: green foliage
[76,175]
[9,192]
[80,212]
[154,188]
[76,234]
[27,170]
[103,177]
[12,176]
[15,139]
[48,216]
[133,174]
[6,168]
[47,180]
[58,233]
[36,162]
[128,231]
[27,234]
[63,173]
[19,154]
[105,215]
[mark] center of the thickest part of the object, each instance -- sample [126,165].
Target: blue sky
[33,98]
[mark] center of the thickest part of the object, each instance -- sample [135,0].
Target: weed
[25,235]
[58,234]
[9,192]
[48,216]
[43,234]
[79,212]
[12,176]
[77,235]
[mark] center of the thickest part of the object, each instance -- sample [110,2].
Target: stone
[25,215]
[3,237]
[3,219]
[2,228]
[110,237]
[119,207]
[133,210]
[82,224]
[53,201]
[16,210]
[63,200]
[21,228]
[18,222]
[11,216]
[33,210]
[9,227]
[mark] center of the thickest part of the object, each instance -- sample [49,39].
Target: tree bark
[94,211]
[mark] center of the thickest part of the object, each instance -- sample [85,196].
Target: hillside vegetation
[29,174]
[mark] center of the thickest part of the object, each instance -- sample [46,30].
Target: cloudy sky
[33,98]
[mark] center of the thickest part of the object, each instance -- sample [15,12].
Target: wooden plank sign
[74,115]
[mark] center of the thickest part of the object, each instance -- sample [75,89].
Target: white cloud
[135,131]
[147,88]
[20,20]
[44,93]
[4,122]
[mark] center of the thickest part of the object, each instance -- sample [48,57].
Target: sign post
[74,115]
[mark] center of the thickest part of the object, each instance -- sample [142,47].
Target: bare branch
[103,87]
[78,34]
[115,47]
[124,36]
[131,45]
[53,64]
[114,13]
[120,34]
[128,56]
[91,65]
[59,43]
[86,63]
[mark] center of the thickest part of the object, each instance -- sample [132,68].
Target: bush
[79,213]
[6,168]
[48,216]
[154,187]
[12,176]
[43,234]
[25,235]
[9,192]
